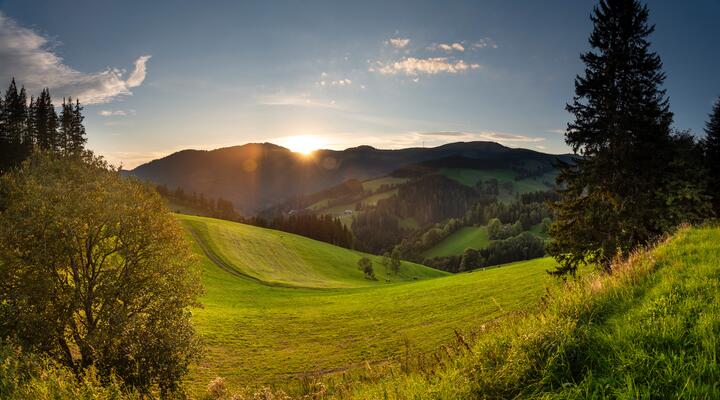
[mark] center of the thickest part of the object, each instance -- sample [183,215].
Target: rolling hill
[279,307]
[256,176]
[649,330]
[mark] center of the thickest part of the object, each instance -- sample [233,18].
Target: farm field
[279,306]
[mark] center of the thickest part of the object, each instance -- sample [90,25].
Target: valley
[299,307]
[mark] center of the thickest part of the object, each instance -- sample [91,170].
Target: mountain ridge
[257,175]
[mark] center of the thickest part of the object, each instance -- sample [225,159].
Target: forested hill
[257,175]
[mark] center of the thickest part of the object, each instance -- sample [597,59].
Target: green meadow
[469,237]
[279,307]
[648,331]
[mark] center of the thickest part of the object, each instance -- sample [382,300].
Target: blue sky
[160,76]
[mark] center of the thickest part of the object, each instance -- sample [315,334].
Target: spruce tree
[610,202]
[45,122]
[67,120]
[15,125]
[5,153]
[711,146]
[77,139]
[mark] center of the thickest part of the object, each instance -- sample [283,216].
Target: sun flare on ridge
[303,144]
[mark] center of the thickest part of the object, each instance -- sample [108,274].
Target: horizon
[311,153]
[322,75]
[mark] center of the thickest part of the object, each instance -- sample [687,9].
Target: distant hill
[259,175]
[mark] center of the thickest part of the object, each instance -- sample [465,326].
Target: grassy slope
[284,259]
[467,237]
[648,331]
[258,333]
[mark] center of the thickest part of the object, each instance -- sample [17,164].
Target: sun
[303,144]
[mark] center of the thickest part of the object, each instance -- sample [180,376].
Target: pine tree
[44,122]
[610,202]
[15,125]
[67,118]
[77,139]
[5,153]
[711,147]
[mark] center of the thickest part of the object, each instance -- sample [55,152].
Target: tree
[611,197]
[17,141]
[365,265]
[395,261]
[95,271]
[44,122]
[386,263]
[711,147]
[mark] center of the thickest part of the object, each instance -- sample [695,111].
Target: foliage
[29,376]
[24,127]
[614,198]
[365,265]
[711,146]
[95,272]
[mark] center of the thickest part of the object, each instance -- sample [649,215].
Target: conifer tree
[610,202]
[77,139]
[67,120]
[15,125]
[5,152]
[44,122]
[711,146]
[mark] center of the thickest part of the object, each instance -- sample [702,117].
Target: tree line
[35,124]
[198,203]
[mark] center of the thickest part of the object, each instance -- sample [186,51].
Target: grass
[649,330]
[278,258]
[272,327]
[473,237]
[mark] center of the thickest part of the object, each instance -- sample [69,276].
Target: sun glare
[303,144]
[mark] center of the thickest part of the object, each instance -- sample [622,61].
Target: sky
[161,76]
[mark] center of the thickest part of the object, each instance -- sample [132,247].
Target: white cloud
[138,75]
[485,43]
[558,131]
[115,113]
[301,100]
[500,137]
[398,43]
[337,82]
[430,66]
[29,57]
[447,47]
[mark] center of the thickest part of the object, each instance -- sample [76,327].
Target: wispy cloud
[326,81]
[398,43]
[412,66]
[115,113]
[485,43]
[138,75]
[290,100]
[558,131]
[447,47]
[500,137]
[28,56]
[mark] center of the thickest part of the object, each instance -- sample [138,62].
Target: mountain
[258,175]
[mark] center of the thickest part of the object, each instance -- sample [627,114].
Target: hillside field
[648,331]
[468,237]
[279,305]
